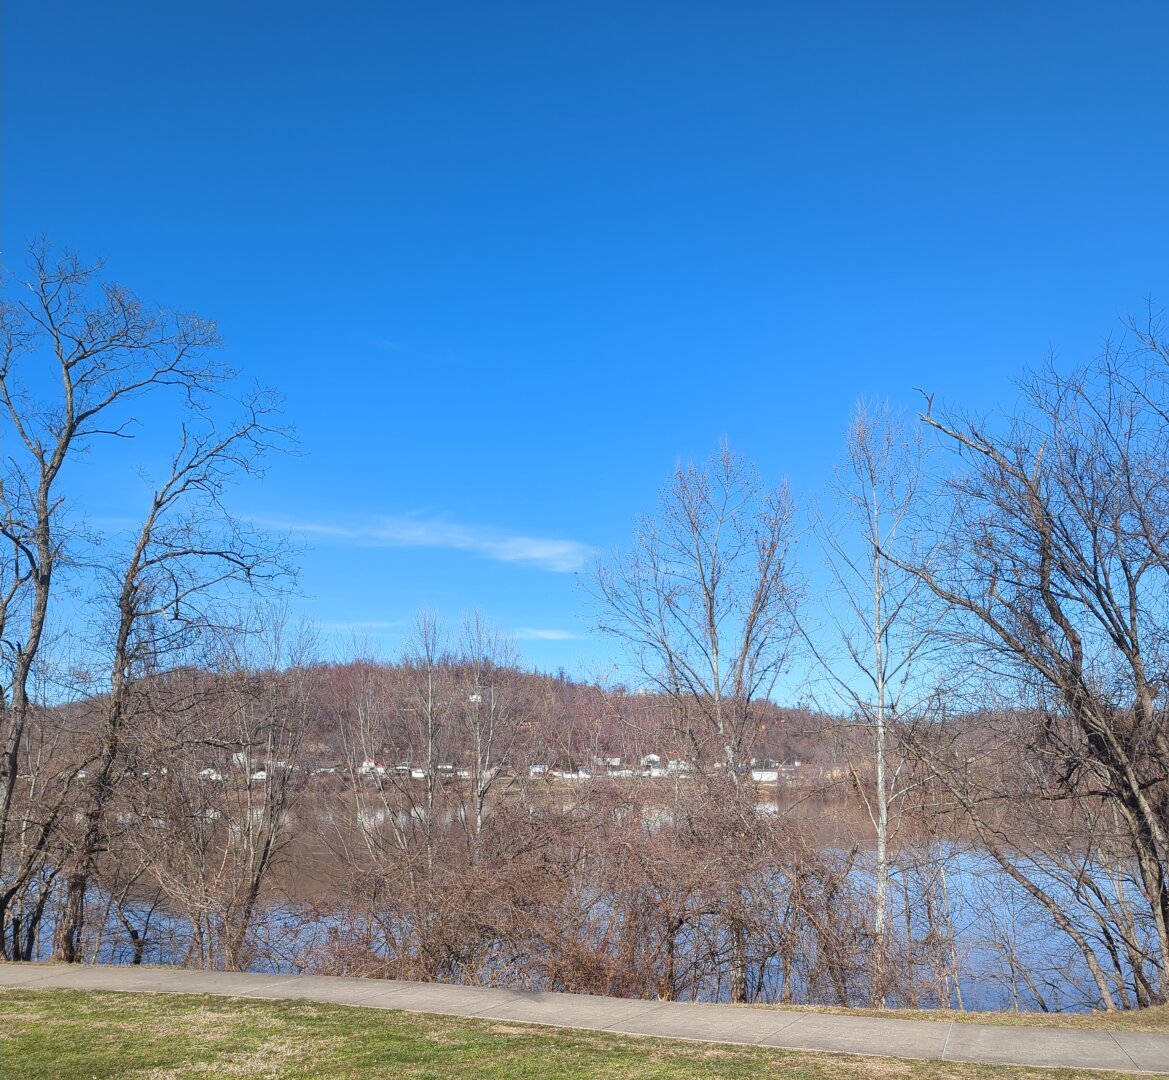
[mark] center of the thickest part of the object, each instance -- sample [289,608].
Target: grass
[65,1034]
[1155,1019]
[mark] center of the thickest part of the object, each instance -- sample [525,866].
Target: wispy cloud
[531,633]
[362,627]
[416,531]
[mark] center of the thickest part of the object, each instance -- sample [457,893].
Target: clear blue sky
[508,262]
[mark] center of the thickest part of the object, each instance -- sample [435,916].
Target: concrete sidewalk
[1100,1050]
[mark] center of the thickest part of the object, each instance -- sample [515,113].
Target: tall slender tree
[874,656]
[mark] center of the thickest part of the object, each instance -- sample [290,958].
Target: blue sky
[509,262]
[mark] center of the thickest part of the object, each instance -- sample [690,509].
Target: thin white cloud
[558,556]
[531,633]
[373,626]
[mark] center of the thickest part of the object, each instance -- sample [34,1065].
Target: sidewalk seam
[1124,1051]
[613,1030]
[783,1027]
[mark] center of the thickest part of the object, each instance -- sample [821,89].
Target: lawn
[63,1034]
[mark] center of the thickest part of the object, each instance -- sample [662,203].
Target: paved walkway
[1100,1050]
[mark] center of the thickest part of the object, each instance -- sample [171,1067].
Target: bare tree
[704,601]
[430,711]
[75,354]
[875,657]
[1056,575]
[225,756]
[187,554]
[488,658]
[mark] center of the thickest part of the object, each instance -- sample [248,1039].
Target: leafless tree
[79,358]
[227,771]
[1055,573]
[486,660]
[874,658]
[74,356]
[704,601]
[188,552]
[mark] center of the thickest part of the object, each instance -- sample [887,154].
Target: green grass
[64,1034]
